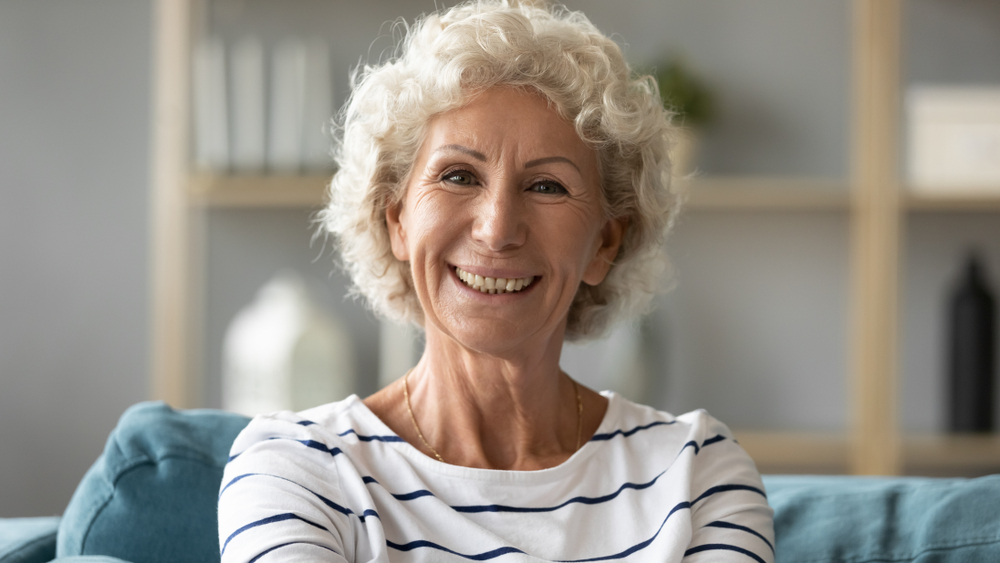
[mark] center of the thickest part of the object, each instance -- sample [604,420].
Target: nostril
[500,233]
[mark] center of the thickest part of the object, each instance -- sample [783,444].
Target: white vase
[282,352]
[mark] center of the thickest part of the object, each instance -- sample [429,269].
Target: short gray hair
[445,58]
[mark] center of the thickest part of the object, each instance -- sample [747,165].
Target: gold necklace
[406,395]
[409,409]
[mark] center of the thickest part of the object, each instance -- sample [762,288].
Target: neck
[502,411]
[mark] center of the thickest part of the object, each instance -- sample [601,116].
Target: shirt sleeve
[279,499]
[730,518]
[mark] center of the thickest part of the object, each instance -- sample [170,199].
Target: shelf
[949,199]
[243,191]
[718,193]
[930,454]
[796,452]
[952,453]
[735,193]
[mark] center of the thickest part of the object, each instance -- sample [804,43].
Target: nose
[500,222]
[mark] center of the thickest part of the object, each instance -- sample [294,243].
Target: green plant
[684,93]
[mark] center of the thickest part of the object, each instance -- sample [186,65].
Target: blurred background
[144,252]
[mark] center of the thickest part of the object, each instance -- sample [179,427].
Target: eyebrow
[465,150]
[482,157]
[548,159]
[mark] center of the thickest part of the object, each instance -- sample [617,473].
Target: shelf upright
[173,230]
[875,239]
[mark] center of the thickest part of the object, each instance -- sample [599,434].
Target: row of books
[255,113]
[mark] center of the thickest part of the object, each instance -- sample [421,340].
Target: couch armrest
[28,540]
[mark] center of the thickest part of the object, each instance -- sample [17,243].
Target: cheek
[434,221]
[572,238]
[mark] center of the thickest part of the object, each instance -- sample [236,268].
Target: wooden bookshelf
[953,199]
[872,198]
[748,193]
[796,452]
[275,191]
[935,454]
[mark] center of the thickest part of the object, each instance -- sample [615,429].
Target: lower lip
[492,296]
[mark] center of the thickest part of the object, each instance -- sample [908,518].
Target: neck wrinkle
[517,413]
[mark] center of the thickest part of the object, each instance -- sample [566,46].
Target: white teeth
[493,285]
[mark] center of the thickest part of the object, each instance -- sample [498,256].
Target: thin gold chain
[409,410]
[579,413]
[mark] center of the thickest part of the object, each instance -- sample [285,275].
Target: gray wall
[74,139]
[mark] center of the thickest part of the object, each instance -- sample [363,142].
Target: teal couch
[150,498]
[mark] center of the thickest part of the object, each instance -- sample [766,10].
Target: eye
[548,187]
[459,177]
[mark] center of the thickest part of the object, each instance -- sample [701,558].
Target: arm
[730,518]
[280,498]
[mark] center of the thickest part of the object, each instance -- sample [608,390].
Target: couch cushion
[28,540]
[151,497]
[869,519]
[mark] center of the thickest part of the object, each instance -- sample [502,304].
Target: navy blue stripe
[270,549]
[721,524]
[302,423]
[726,547]
[413,495]
[574,500]
[697,449]
[627,433]
[473,509]
[268,520]
[368,480]
[307,443]
[637,547]
[486,555]
[363,438]
[712,440]
[235,479]
[643,545]
[726,488]
[505,550]
[341,509]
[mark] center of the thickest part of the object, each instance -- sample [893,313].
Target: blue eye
[548,187]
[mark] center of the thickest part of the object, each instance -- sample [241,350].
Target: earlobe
[612,234]
[397,233]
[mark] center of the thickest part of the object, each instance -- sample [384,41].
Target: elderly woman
[504,184]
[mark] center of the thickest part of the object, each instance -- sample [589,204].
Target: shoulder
[297,447]
[319,423]
[720,482]
[626,419]
[285,478]
[694,444]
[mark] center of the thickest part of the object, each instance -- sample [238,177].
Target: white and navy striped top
[336,484]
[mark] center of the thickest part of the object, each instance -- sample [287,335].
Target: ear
[394,221]
[612,234]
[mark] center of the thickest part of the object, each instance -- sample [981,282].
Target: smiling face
[502,191]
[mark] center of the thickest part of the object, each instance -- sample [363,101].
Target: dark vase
[971,352]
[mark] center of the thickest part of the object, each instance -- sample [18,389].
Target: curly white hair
[444,59]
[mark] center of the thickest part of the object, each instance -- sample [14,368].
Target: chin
[498,338]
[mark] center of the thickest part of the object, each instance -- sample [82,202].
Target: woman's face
[503,193]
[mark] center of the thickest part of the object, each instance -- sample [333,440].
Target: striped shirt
[334,483]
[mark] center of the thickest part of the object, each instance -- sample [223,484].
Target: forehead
[501,120]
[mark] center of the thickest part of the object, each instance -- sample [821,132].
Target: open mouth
[493,285]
